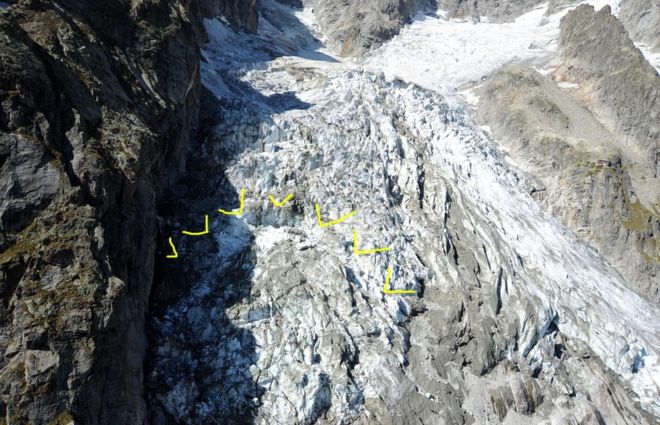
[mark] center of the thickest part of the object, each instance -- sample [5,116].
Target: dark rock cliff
[97,103]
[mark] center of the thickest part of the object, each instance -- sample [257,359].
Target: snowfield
[444,54]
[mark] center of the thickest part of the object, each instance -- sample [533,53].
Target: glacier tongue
[286,325]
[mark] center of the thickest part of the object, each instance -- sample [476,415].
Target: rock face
[498,11]
[583,174]
[97,101]
[355,26]
[621,85]
[593,146]
[642,20]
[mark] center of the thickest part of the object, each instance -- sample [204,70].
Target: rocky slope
[592,145]
[98,100]
[498,11]
[620,85]
[642,20]
[355,26]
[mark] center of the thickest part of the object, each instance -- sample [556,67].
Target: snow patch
[268,237]
[567,85]
[651,55]
[442,54]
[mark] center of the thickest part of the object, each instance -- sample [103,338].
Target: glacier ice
[288,326]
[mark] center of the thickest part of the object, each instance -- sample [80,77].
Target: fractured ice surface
[500,282]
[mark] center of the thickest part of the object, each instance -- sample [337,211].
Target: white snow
[442,54]
[268,237]
[651,55]
[567,85]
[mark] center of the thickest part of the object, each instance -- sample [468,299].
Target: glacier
[285,325]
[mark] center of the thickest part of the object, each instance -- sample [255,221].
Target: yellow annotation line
[280,204]
[238,212]
[333,222]
[175,254]
[358,251]
[203,232]
[387,290]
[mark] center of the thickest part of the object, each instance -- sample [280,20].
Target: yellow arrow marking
[203,232]
[238,212]
[175,253]
[387,290]
[279,204]
[333,222]
[358,251]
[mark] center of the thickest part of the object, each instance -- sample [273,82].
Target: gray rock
[583,179]
[29,181]
[623,87]
[496,11]
[642,20]
[97,103]
[39,365]
[355,26]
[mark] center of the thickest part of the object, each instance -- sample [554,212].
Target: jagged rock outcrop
[497,11]
[355,26]
[641,19]
[97,101]
[620,85]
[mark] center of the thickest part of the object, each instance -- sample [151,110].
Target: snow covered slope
[513,318]
[443,54]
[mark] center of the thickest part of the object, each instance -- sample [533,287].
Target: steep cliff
[98,100]
[619,84]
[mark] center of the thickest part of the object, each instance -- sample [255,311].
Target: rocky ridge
[353,27]
[588,135]
[98,100]
[621,87]
[497,11]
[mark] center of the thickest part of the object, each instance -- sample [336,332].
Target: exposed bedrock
[593,144]
[353,27]
[97,102]
[620,86]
